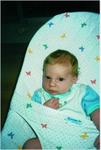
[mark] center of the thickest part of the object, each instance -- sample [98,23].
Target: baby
[60,74]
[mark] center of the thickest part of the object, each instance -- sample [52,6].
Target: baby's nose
[53,82]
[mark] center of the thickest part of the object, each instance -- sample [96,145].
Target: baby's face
[57,79]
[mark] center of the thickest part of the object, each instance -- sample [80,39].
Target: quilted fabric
[77,32]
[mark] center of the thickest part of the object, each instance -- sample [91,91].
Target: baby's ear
[75,79]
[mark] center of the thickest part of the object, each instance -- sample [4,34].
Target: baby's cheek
[45,85]
[64,88]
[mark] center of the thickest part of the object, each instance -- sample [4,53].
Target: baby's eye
[61,79]
[47,77]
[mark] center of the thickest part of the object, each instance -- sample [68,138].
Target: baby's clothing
[79,98]
[75,107]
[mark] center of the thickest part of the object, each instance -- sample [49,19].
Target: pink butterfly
[93,81]
[44,125]
[28,73]
[66,14]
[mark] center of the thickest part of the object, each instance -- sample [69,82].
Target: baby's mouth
[52,92]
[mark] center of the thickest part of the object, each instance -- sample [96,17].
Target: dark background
[44,8]
[19,21]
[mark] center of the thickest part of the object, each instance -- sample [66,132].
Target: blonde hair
[62,57]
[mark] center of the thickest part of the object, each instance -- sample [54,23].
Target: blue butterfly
[11,135]
[59,147]
[28,105]
[51,24]
[83,24]
[81,48]
[45,46]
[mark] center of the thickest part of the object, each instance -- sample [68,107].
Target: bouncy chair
[77,32]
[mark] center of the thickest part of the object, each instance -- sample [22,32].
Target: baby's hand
[52,103]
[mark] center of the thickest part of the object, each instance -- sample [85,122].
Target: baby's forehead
[57,66]
[57,70]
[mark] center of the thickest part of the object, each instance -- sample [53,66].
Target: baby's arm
[95,117]
[91,105]
[52,103]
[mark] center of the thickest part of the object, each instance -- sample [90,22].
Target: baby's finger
[55,99]
[56,105]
